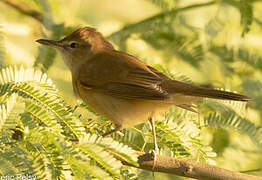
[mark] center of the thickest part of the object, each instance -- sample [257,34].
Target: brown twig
[24,9]
[187,168]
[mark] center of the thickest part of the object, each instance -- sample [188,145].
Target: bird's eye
[73,45]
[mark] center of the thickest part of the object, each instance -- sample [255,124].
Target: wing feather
[124,77]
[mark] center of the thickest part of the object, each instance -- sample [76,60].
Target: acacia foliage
[39,129]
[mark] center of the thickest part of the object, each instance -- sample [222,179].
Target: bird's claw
[154,153]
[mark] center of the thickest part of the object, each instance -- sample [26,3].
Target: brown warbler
[121,87]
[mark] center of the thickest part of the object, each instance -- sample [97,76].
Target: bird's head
[79,45]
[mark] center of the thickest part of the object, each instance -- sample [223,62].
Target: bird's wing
[121,75]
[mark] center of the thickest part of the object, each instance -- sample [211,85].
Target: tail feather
[198,91]
[219,94]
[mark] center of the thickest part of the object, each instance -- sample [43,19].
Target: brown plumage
[120,86]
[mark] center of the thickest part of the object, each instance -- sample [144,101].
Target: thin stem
[163,14]
[24,9]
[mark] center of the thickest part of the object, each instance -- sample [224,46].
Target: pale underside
[126,113]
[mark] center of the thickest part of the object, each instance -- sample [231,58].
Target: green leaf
[187,48]
[113,147]
[246,11]
[230,55]
[9,114]
[240,124]
[81,164]
[53,104]
[34,86]
[15,160]
[120,150]
[89,146]
[44,117]
[46,153]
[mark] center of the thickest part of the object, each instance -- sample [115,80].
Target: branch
[24,9]
[163,14]
[186,168]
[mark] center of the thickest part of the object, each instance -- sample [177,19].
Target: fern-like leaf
[81,164]
[246,11]
[52,104]
[45,151]
[35,86]
[188,49]
[9,114]
[15,160]
[230,55]
[120,150]
[43,116]
[232,120]
[184,135]
[88,145]
[113,147]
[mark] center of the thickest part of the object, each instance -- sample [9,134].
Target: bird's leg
[155,151]
[117,128]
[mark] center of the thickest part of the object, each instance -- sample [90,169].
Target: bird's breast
[122,112]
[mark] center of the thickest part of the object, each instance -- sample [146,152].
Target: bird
[121,87]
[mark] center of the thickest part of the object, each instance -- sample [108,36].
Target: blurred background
[214,43]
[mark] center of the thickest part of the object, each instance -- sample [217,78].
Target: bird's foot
[154,153]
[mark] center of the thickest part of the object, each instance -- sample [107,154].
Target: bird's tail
[198,91]
[219,94]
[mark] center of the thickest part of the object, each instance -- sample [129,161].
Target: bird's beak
[50,43]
